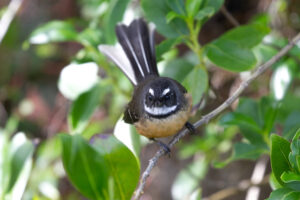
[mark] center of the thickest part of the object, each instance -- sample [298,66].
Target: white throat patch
[158,111]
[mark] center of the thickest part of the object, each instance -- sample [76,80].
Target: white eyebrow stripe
[166,91]
[151,91]
[157,111]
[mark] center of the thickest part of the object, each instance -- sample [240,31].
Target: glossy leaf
[124,168]
[242,151]
[246,151]
[294,156]
[85,167]
[230,55]
[247,36]
[83,108]
[112,17]
[128,136]
[291,180]
[19,160]
[280,149]
[216,4]
[196,83]
[192,7]
[207,12]
[177,6]
[54,31]
[156,11]
[177,69]
[279,194]
[291,125]
[249,128]
[165,46]
[172,15]
[90,37]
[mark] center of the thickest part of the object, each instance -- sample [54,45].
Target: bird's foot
[190,127]
[163,145]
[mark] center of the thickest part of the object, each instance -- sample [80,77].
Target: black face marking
[162,98]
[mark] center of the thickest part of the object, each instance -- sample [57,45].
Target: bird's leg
[190,127]
[161,144]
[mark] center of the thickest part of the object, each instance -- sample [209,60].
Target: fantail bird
[160,106]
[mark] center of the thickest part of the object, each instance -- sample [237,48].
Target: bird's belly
[155,128]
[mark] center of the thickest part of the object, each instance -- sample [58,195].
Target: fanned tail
[138,44]
[135,55]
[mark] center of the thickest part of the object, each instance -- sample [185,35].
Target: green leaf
[294,156]
[216,4]
[90,37]
[291,124]
[85,167]
[292,196]
[112,17]
[177,69]
[17,166]
[230,55]
[196,83]
[172,15]
[291,180]
[279,194]
[280,149]
[263,52]
[165,46]
[242,151]
[177,6]
[124,166]
[54,31]
[207,12]
[192,7]
[127,134]
[19,158]
[268,109]
[247,36]
[249,128]
[246,151]
[83,108]
[156,11]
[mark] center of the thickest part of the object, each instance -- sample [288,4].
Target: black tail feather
[138,45]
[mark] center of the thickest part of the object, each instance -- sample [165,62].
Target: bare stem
[206,118]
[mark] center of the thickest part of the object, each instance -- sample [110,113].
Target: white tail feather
[118,56]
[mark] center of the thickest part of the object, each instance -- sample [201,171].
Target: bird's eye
[167,97]
[150,98]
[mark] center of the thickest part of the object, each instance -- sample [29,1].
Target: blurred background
[29,95]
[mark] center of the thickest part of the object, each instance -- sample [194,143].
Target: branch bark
[206,118]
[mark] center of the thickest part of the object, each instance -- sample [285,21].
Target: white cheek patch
[166,91]
[158,111]
[151,91]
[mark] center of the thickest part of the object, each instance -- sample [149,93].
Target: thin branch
[229,16]
[8,16]
[206,118]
